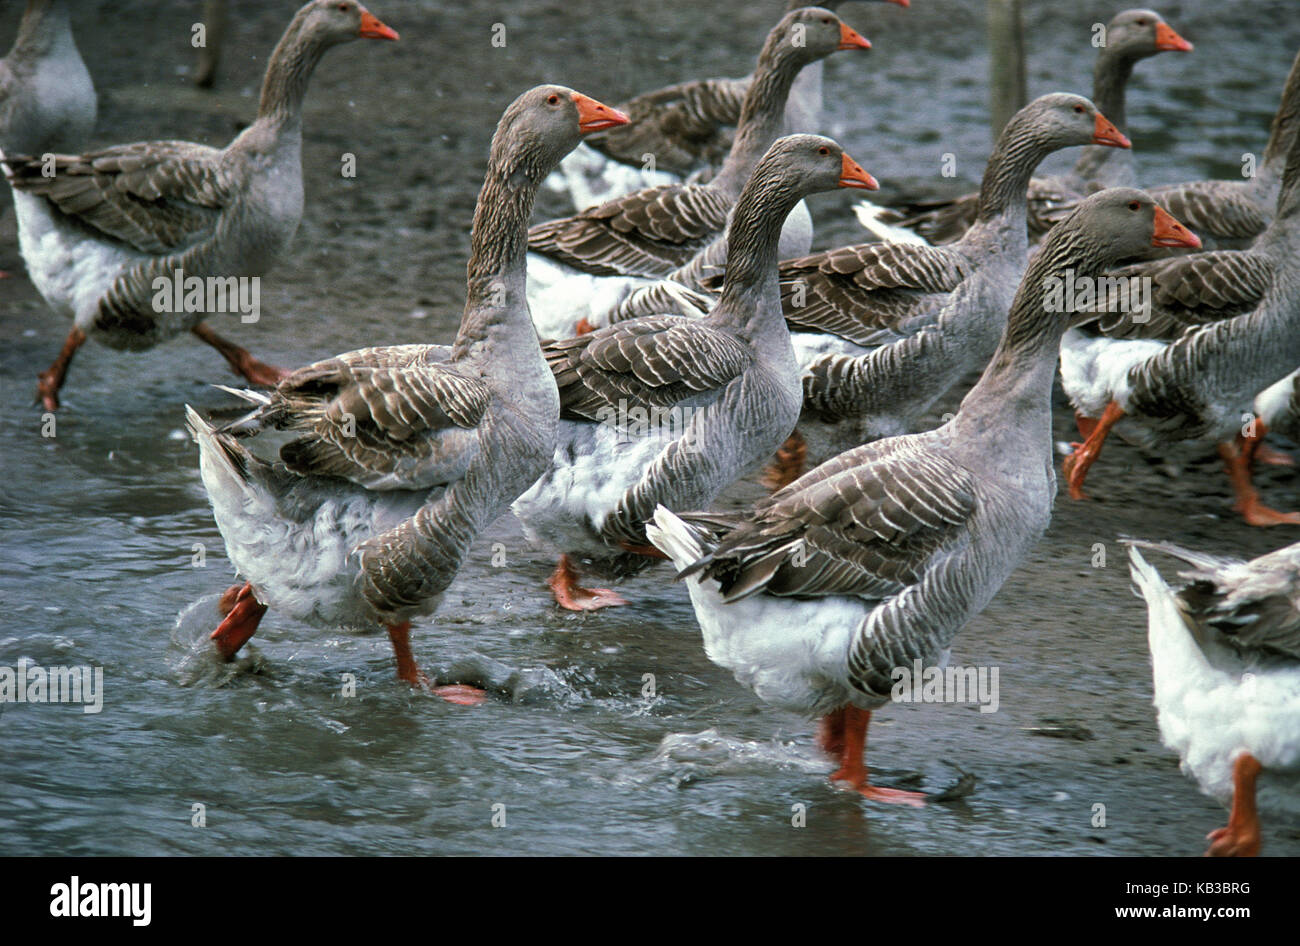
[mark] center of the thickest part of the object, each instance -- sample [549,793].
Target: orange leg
[1085,424]
[1256,451]
[853,769]
[242,612]
[583,327]
[51,379]
[787,466]
[1241,837]
[830,734]
[1075,467]
[1236,462]
[570,595]
[240,360]
[400,635]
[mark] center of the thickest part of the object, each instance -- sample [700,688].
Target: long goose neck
[1110,77]
[762,115]
[45,26]
[1286,121]
[494,280]
[752,242]
[287,75]
[1019,376]
[1005,186]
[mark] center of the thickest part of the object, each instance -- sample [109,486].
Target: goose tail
[881,221]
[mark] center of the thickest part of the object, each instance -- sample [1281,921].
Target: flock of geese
[696,302]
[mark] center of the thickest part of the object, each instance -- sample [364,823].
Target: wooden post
[1007,89]
[214,19]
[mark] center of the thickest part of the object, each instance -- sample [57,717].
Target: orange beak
[1105,133]
[851,38]
[1169,232]
[596,116]
[373,28]
[852,175]
[1168,40]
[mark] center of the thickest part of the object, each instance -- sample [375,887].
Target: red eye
[1142,22]
[823,150]
[553,100]
[1078,109]
[1134,205]
[344,7]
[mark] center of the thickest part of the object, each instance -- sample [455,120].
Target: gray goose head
[1124,221]
[811,164]
[810,33]
[1137,34]
[543,125]
[1061,120]
[331,22]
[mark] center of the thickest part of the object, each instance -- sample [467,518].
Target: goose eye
[823,150]
[343,7]
[553,100]
[1078,109]
[1134,205]
[1142,22]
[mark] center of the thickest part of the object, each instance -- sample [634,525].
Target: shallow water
[99,523]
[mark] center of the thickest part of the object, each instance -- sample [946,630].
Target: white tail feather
[871,216]
[673,537]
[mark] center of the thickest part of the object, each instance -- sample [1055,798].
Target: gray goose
[687,128]
[1218,345]
[404,454]
[877,558]
[669,409]
[47,101]
[883,330]
[649,233]
[100,233]
[1131,36]
[1233,213]
[1225,656]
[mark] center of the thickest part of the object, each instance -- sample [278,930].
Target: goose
[876,558]
[404,453]
[1225,656]
[687,128]
[668,409]
[1233,213]
[47,101]
[883,330]
[1222,330]
[1130,37]
[111,230]
[651,232]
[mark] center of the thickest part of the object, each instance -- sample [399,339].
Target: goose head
[1062,120]
[811,33]
[815,164]
[1124,222]
[330,22]
[545,123]
[1136,34]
